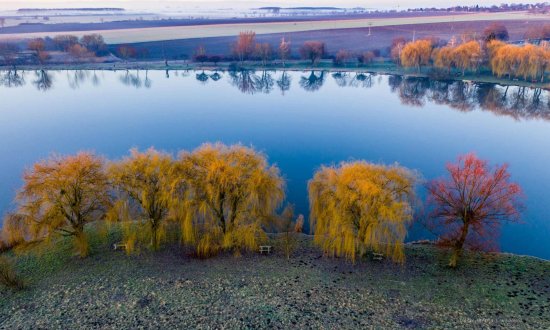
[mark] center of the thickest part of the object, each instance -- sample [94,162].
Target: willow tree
[467,56]
[145,180]
[233,193]
[443,58]
[359,206]
[62,194]
[416,54]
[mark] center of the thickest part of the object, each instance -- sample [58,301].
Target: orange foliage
[416,54]
[245,45]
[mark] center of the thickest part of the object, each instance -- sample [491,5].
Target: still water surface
[299,119]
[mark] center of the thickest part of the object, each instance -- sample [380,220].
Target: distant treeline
[493,8]
[303,8]
[476,8]
[32,10]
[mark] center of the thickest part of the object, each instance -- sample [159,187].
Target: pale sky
[160,4]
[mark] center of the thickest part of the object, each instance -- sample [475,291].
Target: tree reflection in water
[513,101]
[284,82]
[43,81]
[244,80]
[134,79]
[76,78]
[12,78]
[353,79]
[265,83]
[202,77]
[216,76]
[95,79]
[313,82]
[518,102]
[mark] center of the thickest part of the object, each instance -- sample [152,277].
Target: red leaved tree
[468,208]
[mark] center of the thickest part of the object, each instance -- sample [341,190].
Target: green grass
[170,288]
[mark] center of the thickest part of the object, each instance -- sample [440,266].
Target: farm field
[355,39]
[118,36]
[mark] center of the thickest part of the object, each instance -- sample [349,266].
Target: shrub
[8,276]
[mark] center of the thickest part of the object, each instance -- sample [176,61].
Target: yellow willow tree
[492,47]
[545,46]
[145,180]
[416,54]
[233,191]
[504,60]
[531,61]
[467,56]
[443,58]
[358,206]
[63,194]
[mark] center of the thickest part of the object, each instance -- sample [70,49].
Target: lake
[301,120]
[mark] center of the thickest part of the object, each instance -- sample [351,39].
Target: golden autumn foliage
[232,191]
[416,54]
[358,206]
[467,56]
[15,231]
[443,58]
[528,61]
[61,195]
[145,180]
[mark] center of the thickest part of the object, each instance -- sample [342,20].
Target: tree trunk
[458,248]
[154,236]
[81,243]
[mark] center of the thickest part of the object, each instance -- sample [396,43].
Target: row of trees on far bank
[226,198]
[247,48]
[526,61]
[529,61]
[41,49]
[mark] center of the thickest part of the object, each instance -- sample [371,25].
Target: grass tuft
[8,276]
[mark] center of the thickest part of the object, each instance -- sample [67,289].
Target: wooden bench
[377,256]
[265,249]
[117,246]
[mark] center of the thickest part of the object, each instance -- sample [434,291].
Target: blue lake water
[299,119]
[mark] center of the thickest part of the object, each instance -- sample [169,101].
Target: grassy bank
[171,289]
[382,67]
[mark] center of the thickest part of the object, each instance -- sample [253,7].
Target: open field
[118,36]
[126,21]
[356,39]
[172,289]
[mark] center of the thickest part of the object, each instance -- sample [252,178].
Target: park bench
[377,256]
[265,249]
[117,246]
